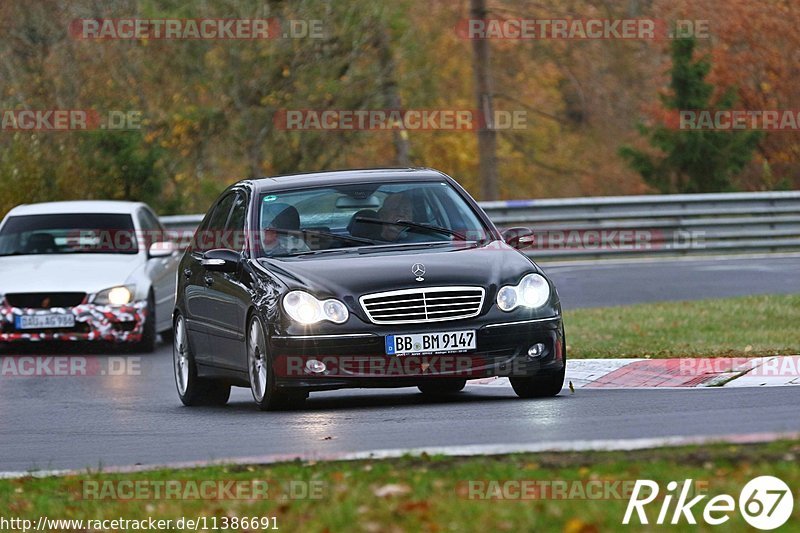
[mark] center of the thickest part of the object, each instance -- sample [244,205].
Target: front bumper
[359,360]
[117,324]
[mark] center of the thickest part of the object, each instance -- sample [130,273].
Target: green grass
[748,326]
[428,493]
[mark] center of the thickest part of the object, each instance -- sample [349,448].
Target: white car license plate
[444,342]
[53,320]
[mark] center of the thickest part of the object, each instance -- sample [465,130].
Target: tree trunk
[487,137]
[391,97]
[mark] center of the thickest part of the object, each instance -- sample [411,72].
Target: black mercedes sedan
[359,278]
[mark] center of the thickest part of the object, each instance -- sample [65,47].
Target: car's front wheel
[541,386]
[192,389]
[261,372]
[147,344]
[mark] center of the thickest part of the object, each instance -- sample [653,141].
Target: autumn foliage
[207,106]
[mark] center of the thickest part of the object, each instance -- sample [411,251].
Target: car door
[160,270]
[228,297]
[198,309]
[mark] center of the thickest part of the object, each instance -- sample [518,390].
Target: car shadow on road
[378,400]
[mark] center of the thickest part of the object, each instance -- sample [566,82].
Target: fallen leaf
[392,489]
[420,506]
[576,525]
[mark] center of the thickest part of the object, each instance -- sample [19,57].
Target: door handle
[208,279]
[187,273]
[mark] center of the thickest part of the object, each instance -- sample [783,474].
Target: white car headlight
[532,291]
[114,296]
[306,309]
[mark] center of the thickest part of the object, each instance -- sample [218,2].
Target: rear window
[68,233]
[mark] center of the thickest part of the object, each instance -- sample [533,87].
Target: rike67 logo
[765,503]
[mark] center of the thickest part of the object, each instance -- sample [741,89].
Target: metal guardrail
[623,226]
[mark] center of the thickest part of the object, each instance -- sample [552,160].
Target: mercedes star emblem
[418,270]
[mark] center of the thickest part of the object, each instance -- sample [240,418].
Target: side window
[438,212]
[234,229]
[209,234]
[152,230]
[151,220]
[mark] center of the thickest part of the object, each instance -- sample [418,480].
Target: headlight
[304,308]
[114,296]
[532,291]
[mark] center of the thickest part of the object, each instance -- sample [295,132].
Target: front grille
[423,305]
[44,300]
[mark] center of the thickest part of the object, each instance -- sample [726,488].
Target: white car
[86,271]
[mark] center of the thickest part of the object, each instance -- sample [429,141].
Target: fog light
[536,350]
[314,366]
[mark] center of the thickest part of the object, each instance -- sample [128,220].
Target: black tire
[147,344]
[192,389]
[442,386]
[541,386]
[261,373]
[217,393]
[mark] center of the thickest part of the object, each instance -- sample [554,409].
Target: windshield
[68,233]
[364,214]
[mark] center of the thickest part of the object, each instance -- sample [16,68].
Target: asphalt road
[624,283]
[135,417]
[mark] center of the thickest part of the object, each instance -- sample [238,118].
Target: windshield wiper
[414,225]
[348,249]
[391,247]
[304,232]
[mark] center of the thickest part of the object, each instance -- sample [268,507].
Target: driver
[396,207]
[281,217]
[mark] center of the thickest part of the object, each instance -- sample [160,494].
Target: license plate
[54,320]
[444,342]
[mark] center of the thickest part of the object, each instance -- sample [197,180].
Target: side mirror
[221,260]
[518,237]
[162,249]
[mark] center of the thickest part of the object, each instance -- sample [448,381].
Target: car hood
[357,274]
[65,273]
